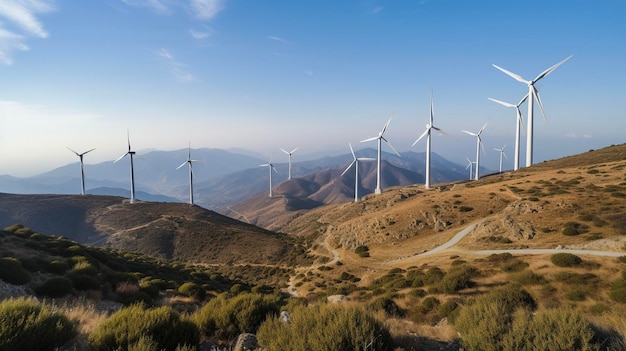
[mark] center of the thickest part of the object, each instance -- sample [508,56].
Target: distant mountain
[221,178]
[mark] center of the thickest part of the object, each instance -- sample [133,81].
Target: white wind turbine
[189,162]
[470,165]
[132,171]
[427,134]
[355,162]
[82,172]
[532,96]
[519,123]
[501,151]
[479,144]
[289,153]
[380,138]
[271,168]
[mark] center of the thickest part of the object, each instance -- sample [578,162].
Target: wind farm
[355,162]
[379,139]
[427,133]
[479,145]
[130,153]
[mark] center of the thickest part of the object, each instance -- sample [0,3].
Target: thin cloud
[178,69]
[206,9]
[278,39]
[156,5]
[199,35]
[18,21]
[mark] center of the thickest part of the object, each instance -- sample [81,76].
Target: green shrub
[528,278]
[325,327]
[84,282]
[513,266]
[362,251]
[575,294]
[192,290]
[428,304]
[57,267]
[125,328]
[458,278]
[12,272]
[622,259]
[488,325]
[55,287]
[29,325]
[503,257]
[388,305]
[565,259]
[618,291]
[225,317]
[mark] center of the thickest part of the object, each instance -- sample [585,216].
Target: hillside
[166,230]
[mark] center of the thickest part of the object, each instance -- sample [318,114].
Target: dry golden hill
[167,230]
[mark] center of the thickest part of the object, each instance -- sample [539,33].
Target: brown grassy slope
[168,230]
[526,208]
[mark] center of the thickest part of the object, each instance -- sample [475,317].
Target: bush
[192,290]
[84,282]
[565,259]
[323,328]
[362,251]
[488,325]
[57,267]
[125,329]
[226,317]
[12,272]
[387,305]
[29,325]
[458,278]
[55,287]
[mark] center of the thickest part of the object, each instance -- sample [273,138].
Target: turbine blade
[470,133]
[347,168]
[294,150]
[391,146]
[440,131]
[386,125]
[264,165]
[121,157]
[421,136]
[536,93]
[274,169]
[520,119]
[352,150]
[370,139]
[285,151]
[549,70]
[482,145]
[88,151]
[77,154]
[366,159]
[184,163]
[482,128]
[504,154]
[522,100]
[502,102]
[513,75]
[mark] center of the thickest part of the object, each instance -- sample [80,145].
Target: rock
[246,341]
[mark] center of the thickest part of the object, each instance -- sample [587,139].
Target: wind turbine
[501,151]
[271,168]
[289,153]
[355,162]
[380,138]
[470,165]
[132,172]
[479,144]
[189,162]
[519,123]
[426,134]
[533,95]
[82,172]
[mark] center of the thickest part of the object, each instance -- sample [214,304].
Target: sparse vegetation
[565,259]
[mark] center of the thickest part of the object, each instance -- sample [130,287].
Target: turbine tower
[82,171]
[355,162]
[271,168]
[479,144]
[289,154]
[532,96]
[132,172]
[519,123]
[381,138]
[427,134]
[470,165]
[189,162]
[501,151]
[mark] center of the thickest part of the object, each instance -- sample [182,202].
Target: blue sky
[267,74]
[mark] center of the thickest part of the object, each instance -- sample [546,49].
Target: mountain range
[223,178]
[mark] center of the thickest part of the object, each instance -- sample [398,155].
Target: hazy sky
[268,74]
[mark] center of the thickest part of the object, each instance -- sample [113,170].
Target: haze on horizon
[266,75]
